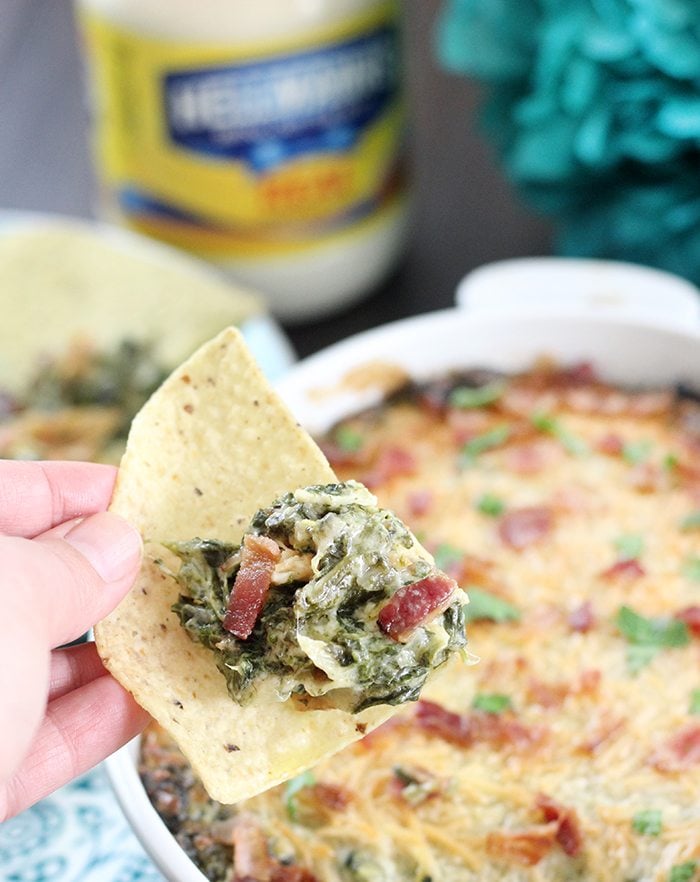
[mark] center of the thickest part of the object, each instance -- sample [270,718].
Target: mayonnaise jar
[266,136]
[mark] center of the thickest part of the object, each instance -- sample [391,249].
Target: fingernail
[111,545]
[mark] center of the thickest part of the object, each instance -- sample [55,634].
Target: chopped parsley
[647,822]
[683,872]
[636,452]
[691,567]
[629,546]
[694,704]
[492,703]
[550,425]
[486,441]
[490,505]
[691,521]
[447,556]
[486,606]
[306,779]
[647,636]
[349,440]
[670,461]
[466,397]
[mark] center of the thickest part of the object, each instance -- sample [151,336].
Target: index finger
[36,496]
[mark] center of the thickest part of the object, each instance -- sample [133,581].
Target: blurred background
[464,214]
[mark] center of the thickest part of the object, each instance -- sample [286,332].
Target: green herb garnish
[647,822]
[490,505]
[492,703]
[482,443]
[306,779]
[467,397]
[447,556]
[349,440]
[683,872]
[691,567]
[670,462]
[629,546]
[550,425]
[648,636]
[485,606]
[636,452]
[691,521]
[694,704]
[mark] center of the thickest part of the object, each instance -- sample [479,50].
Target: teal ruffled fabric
[594,106]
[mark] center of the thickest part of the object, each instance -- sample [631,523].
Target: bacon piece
[467,424]
[390,463]
[628,569]
[568,833]
[589,681]
[415,604]
[547,694]
[258,558]
[522,527]
[679,753]
[331,796]
[582,618]
[464,730]
[610,444]
[646,477]
[251,860]
[532,457]
[420,502]
[691,616]
[291,873]
[601,731]
[525,848]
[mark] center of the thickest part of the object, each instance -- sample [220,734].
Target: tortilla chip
[210,448]
[66,281]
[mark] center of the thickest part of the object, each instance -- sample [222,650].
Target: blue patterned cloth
[77,835]
[594,107]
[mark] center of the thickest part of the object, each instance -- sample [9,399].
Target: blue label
[264,113]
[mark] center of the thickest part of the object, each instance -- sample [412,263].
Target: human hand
[65,563]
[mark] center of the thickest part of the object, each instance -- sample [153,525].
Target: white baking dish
[639,327]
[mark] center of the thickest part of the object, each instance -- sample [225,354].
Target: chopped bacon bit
[464,730]
[680,752]
[415,604]
[646,477]
[627,569]
[390,463]
[547,694]
[610,444]
[290,873]
[467,424]
[580,374]
[420,502]
[251,860]
[331,796]
[651,404]
[525,848]
[522,527]
[600,732]
[532,457]
[582,618]
[258,558]
[589,681]
[568,833]
[691,616]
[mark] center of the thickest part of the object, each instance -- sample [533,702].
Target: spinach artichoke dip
[569,510]
[327,594]
[79,405]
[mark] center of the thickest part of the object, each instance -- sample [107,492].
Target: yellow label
[233,150]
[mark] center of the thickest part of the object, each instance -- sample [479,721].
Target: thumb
[74,575]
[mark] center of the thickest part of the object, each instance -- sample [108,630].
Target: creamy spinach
[317,637]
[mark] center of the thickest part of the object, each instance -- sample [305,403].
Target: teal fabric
[594,108]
